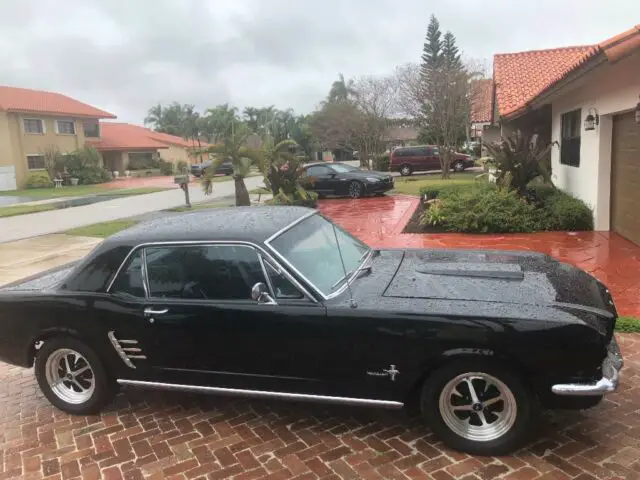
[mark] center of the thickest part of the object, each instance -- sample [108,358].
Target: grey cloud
[126,55]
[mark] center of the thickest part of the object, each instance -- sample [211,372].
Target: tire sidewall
[103,389]
[501,446]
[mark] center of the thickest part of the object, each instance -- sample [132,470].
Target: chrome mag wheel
[458,167]
[478,407]
[70,376]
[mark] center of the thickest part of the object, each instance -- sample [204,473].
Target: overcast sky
[127,55]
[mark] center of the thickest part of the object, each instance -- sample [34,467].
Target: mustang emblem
[391,372]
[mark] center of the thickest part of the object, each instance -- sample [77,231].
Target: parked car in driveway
[407,160]
[341,179]
[225,168]
[279,302]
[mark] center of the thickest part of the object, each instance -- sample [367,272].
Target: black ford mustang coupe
[278,302]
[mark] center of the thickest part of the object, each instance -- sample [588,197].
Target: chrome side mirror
[260,293]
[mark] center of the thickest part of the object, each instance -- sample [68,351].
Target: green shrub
[482,210]
[143,162]
[441,189]
[39,179]
[182,166]
[300,197]
[567,213]
[92,174]
[165,167]
[381,163]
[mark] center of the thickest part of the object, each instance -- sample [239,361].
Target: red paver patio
[609,257]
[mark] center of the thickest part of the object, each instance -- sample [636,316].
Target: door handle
[149,311]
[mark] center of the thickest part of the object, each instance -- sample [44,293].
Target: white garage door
[7,178]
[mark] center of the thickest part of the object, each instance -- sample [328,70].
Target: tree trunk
[242,194]
[445,162]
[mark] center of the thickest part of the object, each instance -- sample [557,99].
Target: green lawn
[101,230]
[24,209]
[79,191]
[413,184]
[628,325]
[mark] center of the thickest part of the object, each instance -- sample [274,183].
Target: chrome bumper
[608,383]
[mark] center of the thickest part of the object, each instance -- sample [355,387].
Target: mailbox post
[183,181]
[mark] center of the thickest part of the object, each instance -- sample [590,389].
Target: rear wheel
[405,170]
[72,377]
[355,189]
[478,407]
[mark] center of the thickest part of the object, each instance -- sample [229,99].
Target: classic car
[279,302]
[342,179]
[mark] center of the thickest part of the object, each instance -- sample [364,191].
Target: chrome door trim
[263,394]
[259,249]
[291,225]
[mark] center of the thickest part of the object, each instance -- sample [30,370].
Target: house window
[91,129]
[570,142]
[35,162]
[33,125]
[65,127]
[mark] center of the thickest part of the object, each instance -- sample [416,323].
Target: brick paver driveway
[173,435]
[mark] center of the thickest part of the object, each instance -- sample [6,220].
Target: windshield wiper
[354,271]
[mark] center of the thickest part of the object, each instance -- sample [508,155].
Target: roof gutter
[587,67]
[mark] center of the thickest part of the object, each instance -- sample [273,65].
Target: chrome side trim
[145,276]
[263,394]
[609,382]
[257,247]
[121,353]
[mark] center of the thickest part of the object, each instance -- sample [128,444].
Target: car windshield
[342,168]
[311,248]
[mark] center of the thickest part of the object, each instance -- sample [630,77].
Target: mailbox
[181,179]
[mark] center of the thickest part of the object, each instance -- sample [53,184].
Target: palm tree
[243,158]
[280,166]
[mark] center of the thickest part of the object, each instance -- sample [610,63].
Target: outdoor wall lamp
[638,112]
[593,119]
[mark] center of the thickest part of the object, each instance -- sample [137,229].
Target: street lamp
[592,120]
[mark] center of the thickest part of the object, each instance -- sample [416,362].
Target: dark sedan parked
[225,168]
[278,302]
[342,179]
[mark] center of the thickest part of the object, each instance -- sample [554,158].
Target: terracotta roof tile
[14,99]
[481,101]
[521,77]
[118,136]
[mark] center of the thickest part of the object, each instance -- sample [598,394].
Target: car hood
[496,276]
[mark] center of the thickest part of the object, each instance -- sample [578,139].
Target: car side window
[282,287]
[129,280]
[213,272]
[317,170]
[402,152]
[421,152]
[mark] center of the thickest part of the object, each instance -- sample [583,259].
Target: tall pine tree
[450,53]
[432,49]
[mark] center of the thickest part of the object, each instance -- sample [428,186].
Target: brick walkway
[148,434]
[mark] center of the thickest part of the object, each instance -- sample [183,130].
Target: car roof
[250,224]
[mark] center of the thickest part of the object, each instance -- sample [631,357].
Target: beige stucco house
[32,121]
[587,99]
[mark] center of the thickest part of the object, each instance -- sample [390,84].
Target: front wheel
[478,407]
[405,170]
[72,376]
[355,189]
[458,166]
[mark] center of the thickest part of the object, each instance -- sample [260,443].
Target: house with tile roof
[31,121]
[587,99]
[123,145]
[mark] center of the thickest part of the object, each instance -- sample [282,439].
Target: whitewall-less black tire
[72,377]
[478,407]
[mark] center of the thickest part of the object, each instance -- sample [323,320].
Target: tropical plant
[242,158]
[182,166]
[38,179]
[280,166]
[54,161]
[518,160]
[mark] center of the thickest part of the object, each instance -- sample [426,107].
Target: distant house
[32,121]
[587,99]
[481,107]
[400,136]
[123,143]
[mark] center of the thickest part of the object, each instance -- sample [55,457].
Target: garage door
[625,177]
[7,178]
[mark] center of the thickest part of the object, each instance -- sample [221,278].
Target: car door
[203,327]
[433,158]
[321,178]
